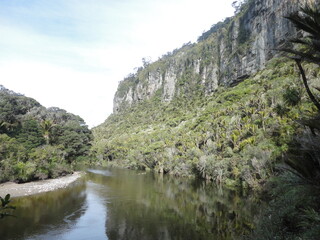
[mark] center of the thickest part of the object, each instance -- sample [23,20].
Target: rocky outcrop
[254,35]
[238,48]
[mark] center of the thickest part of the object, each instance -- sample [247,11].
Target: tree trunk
[305,82]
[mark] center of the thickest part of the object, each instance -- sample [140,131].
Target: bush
[291,96]
[293,212]
[50,162]
[24,171]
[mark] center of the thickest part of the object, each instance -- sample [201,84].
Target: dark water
[122,204]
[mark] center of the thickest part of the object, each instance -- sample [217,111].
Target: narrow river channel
[121,204]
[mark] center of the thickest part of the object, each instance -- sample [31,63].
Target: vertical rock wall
[238,49]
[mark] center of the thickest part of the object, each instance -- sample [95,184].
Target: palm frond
[305,56]
[300,41]
[302,23]
[307,19]
[318,88]
[312,16]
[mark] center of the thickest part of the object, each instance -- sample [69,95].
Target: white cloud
[72,54]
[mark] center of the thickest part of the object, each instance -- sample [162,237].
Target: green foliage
[293,211]
[46,127]
[292,96]
[74,137]
[38,143]
[281,109]
[29,134]
[12,107]
[125,85]
[214,28]
[307,20]
[234,136]
[303,157]
[307,48]
[50,162]
[5,209]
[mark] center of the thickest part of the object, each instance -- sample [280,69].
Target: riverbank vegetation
[293,192]
[38,142]
[262,134]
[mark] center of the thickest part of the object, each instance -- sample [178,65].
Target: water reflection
[151,206]
[91,224]
[121,204]
[39,214]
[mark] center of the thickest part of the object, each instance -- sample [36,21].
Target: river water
[119,204]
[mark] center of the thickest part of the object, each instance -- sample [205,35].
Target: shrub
[291,96]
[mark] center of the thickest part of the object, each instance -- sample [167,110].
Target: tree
[146,61]
[306,48]
[237,5]
[74,136]
[303,155]
[29,134]
[46,127]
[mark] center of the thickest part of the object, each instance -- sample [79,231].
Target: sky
[72,54]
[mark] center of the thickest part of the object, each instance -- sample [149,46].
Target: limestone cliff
[236,49]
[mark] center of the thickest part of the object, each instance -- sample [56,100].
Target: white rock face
[154,82]
[169,84]
[266,29]
[234,52]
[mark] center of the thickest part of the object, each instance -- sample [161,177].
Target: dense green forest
[260,132]
[38,142]
[234,137]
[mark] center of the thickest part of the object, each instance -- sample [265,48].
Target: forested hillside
[240,107]
[38,142]
[226,108]
[234,136]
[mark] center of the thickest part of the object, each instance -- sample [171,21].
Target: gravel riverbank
[30,188]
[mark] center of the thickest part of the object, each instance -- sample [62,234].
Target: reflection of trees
[97,178]
[145,206]
[36,213]
[161,207]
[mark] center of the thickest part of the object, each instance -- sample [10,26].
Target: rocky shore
[30,188]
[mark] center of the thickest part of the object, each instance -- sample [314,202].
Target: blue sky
[72,53]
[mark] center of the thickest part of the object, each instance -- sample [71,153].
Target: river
[119,204]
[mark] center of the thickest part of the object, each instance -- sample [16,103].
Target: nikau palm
[304,158]
[46,126]
[306,20]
